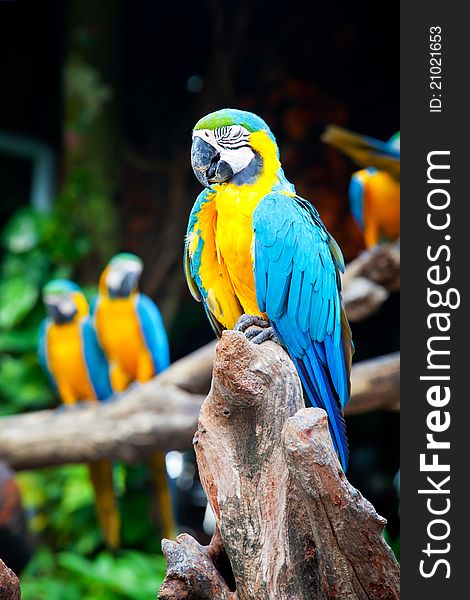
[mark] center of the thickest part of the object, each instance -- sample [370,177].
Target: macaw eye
[232,138]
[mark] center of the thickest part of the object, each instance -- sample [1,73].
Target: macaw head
[394,142]
[232,145]
[64,301]
[122,274]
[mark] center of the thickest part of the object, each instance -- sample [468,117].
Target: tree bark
[291,524]
[195,571]
[150,417]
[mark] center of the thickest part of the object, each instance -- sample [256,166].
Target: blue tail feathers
[321,394]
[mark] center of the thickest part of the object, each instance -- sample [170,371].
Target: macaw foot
[69,407]
[251,325]
[246,321]
[81,404]
[133,385]
[63,408]
[258,337]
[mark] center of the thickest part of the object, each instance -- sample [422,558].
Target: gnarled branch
[159,415]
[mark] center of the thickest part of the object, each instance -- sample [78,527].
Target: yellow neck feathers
[81,304]
[266,148]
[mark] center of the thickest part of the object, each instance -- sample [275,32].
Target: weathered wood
[9,584]
[375,384]
[369,279]
[159,415]
[353,559]
[194,571]
[363,298]
[291,524]
[149,417]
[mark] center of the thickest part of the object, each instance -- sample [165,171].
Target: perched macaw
[374,192]
[131,332]
[129,325]
[256,253]
[77,368]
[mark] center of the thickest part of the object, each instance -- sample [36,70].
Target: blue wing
[95,361]
[356,199]
[93,305]
[42,352]
[296,268]
[153,330]
[191,268]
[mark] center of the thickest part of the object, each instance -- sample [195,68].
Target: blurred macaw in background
[374,191]
[71,356]
[131,332]
[258,254]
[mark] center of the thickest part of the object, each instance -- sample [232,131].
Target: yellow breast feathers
[225,225]
[67,362]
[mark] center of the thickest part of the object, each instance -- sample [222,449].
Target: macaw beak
[121,284]
[61,310]
[207,164]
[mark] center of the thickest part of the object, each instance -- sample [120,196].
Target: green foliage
[60,504]
[71,562]
[73,240]
[39,246]
[30,259]
[68,576]
[22,383]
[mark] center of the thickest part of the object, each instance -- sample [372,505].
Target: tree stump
[289,522]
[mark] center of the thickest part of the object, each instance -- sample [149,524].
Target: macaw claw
[258,337]
[246,321]
[250,325]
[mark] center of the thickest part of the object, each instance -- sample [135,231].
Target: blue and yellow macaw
[374,191]
[131,332]
[129,325]
[257,253]
[77,368]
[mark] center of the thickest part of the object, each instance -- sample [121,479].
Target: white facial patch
[114,278]
[67,306]
[231,142]
[118,271]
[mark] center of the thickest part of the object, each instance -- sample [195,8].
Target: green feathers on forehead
[125,257]
[58,287]
[233,116]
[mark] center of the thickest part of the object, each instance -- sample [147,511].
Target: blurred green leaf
[23,231]
[22,383]
[17,298]
[18,341]
[127,575]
